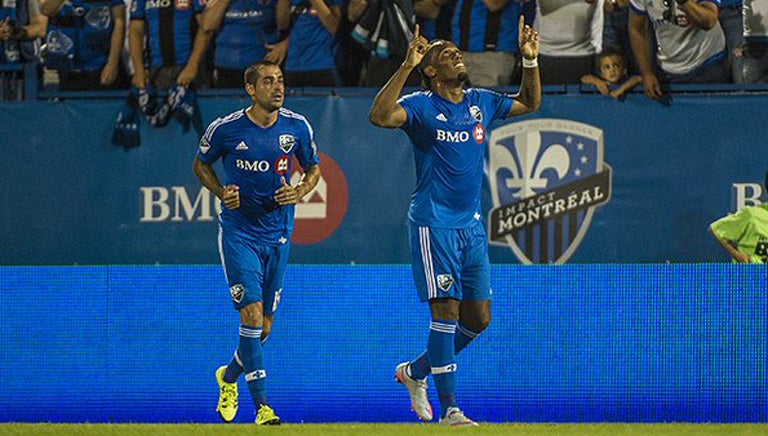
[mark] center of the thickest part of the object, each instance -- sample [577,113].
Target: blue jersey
[88,25]
[311,46]
[255,158]
[169,29]
[476,29]
[449,143]
[247,26]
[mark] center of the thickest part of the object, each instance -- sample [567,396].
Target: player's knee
[251,315]
[483,321]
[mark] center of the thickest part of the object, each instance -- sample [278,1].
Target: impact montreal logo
[546,178]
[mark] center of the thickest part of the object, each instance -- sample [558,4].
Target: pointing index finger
[416,32]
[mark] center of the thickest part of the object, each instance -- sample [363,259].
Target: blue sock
[442,360]
[419,367]
[234,369]
[253,363]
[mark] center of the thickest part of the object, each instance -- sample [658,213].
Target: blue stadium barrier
[574,343]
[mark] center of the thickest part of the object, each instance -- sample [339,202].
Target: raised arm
[529,97]
[385,111]
[703,15]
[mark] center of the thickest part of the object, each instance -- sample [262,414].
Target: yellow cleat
[227,406]
[266,416]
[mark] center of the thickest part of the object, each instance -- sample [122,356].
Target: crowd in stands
[611,44]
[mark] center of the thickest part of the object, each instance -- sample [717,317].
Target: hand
[109,74]
[617,93]
[652,86]
[187,75]
[276,52]
[602,86]
[417,48]
[139,79]
[287,194]
[231,196]
[527,40]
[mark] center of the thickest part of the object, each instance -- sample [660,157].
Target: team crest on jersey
[476,113]
[286,143]
[237,291]
[479,133]
[204,145]
[444,282]
[547,176]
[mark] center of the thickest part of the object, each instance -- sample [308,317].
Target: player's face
[612,68]
[269,90]
[450,65]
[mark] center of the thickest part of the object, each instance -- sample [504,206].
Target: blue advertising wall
[609,342]
[630,330]
[73,198]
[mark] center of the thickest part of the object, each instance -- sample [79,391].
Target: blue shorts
[451,263]
[254,272]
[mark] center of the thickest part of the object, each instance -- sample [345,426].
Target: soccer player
[447,125]
[744,234]
[255,225]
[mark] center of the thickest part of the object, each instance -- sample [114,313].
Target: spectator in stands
[385,59]
[571,34]
[434,18]
[310,26]
[247,33]
[616,30]
[83,43]
[732,21]
[753,65]
[690,39]
[350,56]
[612,78]
[21,27]
[174,55]
[486,33]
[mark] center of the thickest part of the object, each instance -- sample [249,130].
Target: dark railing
[15,86]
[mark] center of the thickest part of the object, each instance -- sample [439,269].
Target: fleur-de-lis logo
[531,166]
[546,176]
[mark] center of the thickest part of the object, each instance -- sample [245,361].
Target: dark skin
[267,96]
[444,65]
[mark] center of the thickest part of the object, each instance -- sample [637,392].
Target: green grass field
[384,429]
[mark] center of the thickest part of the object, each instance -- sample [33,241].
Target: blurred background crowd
[611,44]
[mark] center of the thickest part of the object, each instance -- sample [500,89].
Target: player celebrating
[447,126]
[256,145]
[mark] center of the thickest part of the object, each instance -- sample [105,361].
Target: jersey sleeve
[732,227]
[412,104]
[306,153]
[497,103]
[199,5]
[138,10]
[212,143]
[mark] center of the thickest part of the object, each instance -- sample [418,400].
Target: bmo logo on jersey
[449,136]
[258,166]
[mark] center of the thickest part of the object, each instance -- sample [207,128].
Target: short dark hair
[610,50]
[429,58]
[252,73]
